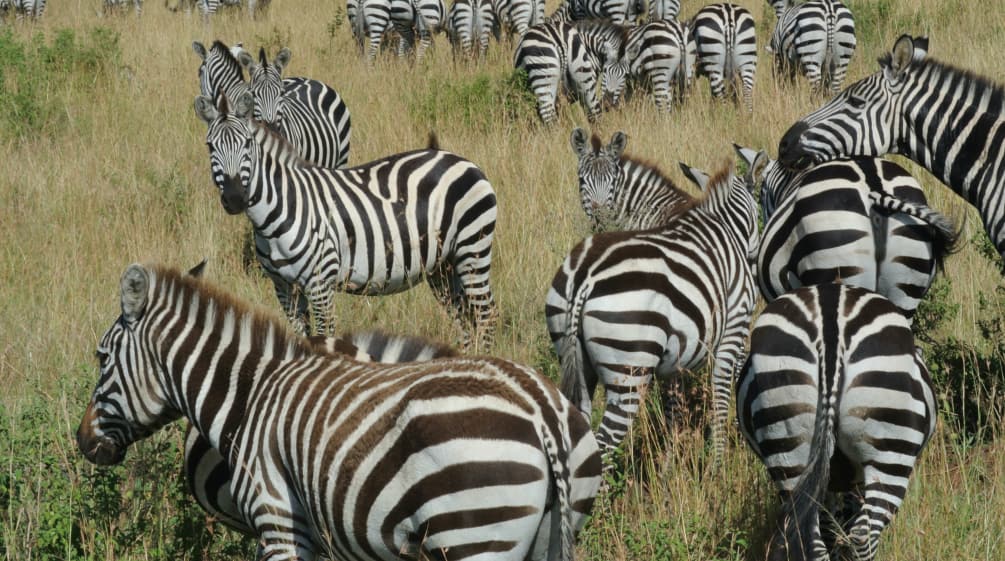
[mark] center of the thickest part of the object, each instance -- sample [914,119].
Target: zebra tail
[570,357]
[946,235]
[558,451]
[830,57]
[433,141]
[795,536]
[359,26]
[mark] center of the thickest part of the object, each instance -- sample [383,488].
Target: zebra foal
[332,457]
[834,395]
[378,228]
[817,38]
[948,120]
[626,306]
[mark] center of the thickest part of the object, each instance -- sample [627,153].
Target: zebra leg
[811,69]
[747,78]
[717,84]
[292,301]
[661,90]
[446,286]
[729,358]
[624,386]
[320,297]
[881,501]
[547,94]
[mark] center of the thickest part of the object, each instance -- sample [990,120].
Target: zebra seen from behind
[626,306]
[554,56]
[619,192]
[338,458]
[618,12]
[517,16]
[119,5]
[834,396]
[32,9]
[377,228]
[815,38]
[863,221]
[659,54]
[308,113]
[726,45]
[663,10]
[408,18]
[470,23]
[948,120]
[207,474]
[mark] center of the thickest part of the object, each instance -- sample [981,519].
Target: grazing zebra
[664,10]
[834,395]
[378,228]
[517,16]
[945,119]
[816,38]
[30,8]
[206,471]
[622,193]
[469,21]
[554,54]
[618,12]
[863,221]
[308,113]
[627,305]
[338,458]
[659,53]
[119,5]
[210,7]
[726,43]
[408,17]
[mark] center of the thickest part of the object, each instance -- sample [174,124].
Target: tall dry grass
[122,175]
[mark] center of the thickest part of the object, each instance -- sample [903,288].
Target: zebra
[470,21]
[378,228]
[554,54]
[618,12]
[945,119]
[338,458]
[659,53]
[517,16]
[210,7]
[817,38]
[32,9]
[834,394]
[207,474]
[619,192]
[864,221]
[408,17]
[310,114]
[663,10]
[627,305]
[726,45]
[117,5]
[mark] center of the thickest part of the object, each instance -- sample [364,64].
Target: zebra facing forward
[625,306]
[946,119]
[308,113]
[863,221]
[470,22]
[554,55]
[378,228]
[726,44]
[834,395]
[816,38]
[337,458]
[658,53]
[206,471]
[619,192]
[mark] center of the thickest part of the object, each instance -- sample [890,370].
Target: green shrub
[480,104]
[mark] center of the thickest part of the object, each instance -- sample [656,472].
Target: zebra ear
[199,49]
[244,104]
[694,175]
[282,59]
[246,60]
[198,269]
[755,170]
[579,142]
[204,109]
[134,284]
[617,145]
[901,55]
[633,52]
[748,155]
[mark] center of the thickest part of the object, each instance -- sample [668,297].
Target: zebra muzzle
[233,195]
[99,450]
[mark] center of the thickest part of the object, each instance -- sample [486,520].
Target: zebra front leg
[292,301]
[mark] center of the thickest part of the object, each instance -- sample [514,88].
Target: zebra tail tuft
[433,141]
[798,527]
[946,234]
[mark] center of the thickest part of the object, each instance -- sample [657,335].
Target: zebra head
[616,71]
[267,85]
[866,119]
[780,6]
[129,401]
[232,148]
[219,68]
[600,175]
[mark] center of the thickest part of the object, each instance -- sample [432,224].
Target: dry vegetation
[117,172]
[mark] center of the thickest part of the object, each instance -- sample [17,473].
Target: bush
[34,72]
[480,104]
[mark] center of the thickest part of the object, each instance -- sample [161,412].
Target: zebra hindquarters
[544,73]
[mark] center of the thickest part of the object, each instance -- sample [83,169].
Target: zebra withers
[337,458]
[659,54]
[619,192]
[947,120]
[863,221]
[726,45]
[816,38]
[377,228]
[206,471]
[626,306]
[554,55]
[834,395]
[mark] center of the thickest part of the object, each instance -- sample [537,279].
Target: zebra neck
[958,134]
[272,167]
[648,199]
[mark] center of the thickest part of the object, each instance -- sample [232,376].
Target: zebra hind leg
[465,292]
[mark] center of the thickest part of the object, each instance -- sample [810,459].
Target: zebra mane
[939,68]
[653,167]
[265,328]
[223,51]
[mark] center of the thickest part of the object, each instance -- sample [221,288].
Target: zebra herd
[371,446]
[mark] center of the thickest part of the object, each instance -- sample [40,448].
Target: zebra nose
[233,196]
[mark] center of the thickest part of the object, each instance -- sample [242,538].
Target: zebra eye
[856,102]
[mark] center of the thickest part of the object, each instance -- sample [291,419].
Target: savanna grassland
[103,163]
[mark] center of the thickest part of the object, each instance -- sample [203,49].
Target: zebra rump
[554,55]
[834,395]
[816,38]
[726,44]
